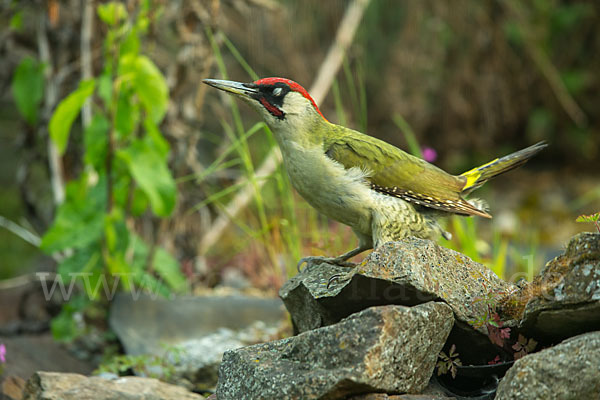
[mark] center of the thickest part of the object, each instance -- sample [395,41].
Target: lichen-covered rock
[569,370]
[387,349]
[564,299]
[66,386]
[409,272]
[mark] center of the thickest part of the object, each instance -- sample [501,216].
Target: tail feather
[480,175]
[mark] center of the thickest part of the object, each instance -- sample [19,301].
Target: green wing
[399,174]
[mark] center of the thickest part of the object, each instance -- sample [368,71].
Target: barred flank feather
[455,205]
[478,176]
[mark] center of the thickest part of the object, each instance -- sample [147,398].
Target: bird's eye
[277,91]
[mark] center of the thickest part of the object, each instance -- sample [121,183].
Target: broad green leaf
[79,220]
[168,269]
[126,115]
[139,254]
[157,140]
[148,82]
[139,203]
[122,184]
[148,283]
[116,234]
[84,260]
[66,112]
[28,88]
[149,169]
[64,327]
[131,43]
[105,88]
[119,269]
[95,139]
[16,21]
[96,283]
[112,13]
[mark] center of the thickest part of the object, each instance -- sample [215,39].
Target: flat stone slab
[201,327]
[389,349]
[66,386]
[185,317]
[569,370]
[410,272]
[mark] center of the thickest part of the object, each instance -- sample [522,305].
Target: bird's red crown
[295,87]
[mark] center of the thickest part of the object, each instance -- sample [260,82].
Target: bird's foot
[330,260]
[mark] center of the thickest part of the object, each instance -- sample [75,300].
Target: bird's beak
[238,88]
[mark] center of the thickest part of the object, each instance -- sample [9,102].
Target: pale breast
[341,194]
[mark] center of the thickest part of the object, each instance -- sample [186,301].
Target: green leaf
[575,81]
[95,139]
[569,15]
[64,326]
[28,88]
[85,260]
[120,269]
[139,203]
[112,13]
[150,284]
[79,221]
[116,234]
[168,269]
[131,43]
[149,84]
[105,88]
[149,169]
[126,115]
[16,21]
[513,33]
[66,112]
[589,218]
[157,140]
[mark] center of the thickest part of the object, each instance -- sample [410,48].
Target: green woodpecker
[378,190]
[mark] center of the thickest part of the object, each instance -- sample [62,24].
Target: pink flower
[2,352]
[429,154]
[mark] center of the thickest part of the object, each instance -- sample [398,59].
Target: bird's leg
[339,260]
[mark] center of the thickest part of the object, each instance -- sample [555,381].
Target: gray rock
[200,329]
[564,299]
[569,370]
[26,354]
[185,317]
[409,272]
[387,349]
[66,386]
[198,360]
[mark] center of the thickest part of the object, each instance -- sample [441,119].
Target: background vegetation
[136,173]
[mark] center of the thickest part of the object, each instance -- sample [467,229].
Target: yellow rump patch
[474,174]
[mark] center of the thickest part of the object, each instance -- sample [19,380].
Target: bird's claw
[316,259]
[302,261]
